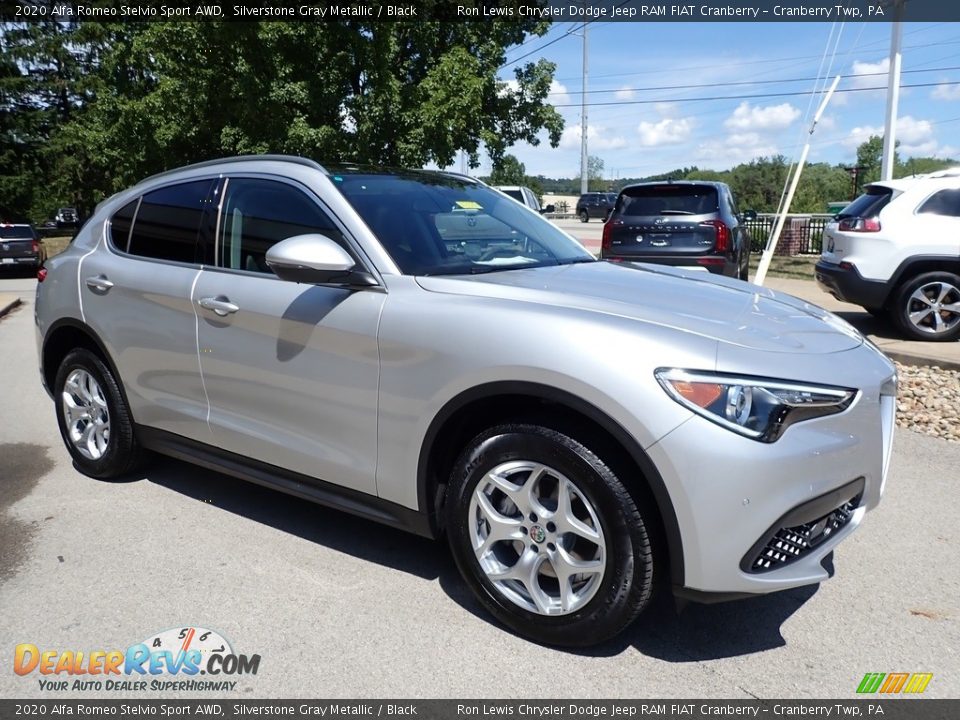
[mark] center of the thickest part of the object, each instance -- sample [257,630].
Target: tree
[870,159]
[101,105]
[509,171]
[594,168]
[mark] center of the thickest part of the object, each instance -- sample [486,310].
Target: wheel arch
[65,335]
[917,265]
[471,411]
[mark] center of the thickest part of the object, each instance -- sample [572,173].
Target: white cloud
[865,74]
[947,91]
[772,117]
[736,148]
[916,138]
[598,138]
[666,109]
[558,94]
[625,93]
[665,132]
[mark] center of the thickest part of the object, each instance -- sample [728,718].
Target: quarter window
[168,222]
[945,202]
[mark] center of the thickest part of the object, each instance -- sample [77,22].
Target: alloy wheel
[86,414]
[934,308]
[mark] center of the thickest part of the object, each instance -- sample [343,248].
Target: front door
[290,369]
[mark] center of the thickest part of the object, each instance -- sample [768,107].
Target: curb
[16,302]
[920,360]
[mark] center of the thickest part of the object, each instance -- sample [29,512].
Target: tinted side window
[168,222]
[869,204]
[120,225]
[260,213]
[945,202]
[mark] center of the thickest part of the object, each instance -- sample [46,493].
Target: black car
[67,217]
[20,246]
[685,223]
[595,205]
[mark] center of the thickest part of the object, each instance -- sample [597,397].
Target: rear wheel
[584,216]
[547,537]
[928,307]
[93,416]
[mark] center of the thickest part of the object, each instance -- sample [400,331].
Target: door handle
[99,283]
[220,305]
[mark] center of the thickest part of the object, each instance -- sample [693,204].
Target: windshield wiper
[577,261]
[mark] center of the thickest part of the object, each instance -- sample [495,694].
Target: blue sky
[675,130]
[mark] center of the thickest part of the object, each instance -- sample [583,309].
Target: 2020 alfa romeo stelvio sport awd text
[417,348]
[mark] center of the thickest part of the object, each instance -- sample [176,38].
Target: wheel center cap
[538,534]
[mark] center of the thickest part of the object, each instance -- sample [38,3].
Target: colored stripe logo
[892,683]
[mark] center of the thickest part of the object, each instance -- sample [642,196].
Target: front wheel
[547,536]
[928,307]
[584,216]
[93,416]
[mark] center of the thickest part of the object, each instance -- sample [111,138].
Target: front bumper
[846,284]
[732,495]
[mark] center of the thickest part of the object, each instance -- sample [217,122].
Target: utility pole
[584,179]
[893,94]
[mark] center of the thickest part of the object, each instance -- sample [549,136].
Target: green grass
[798,267]
[56,245]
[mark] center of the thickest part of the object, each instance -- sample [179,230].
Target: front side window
[257,214]
[167,223]
[945,202]
[434,224]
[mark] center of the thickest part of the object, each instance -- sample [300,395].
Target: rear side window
[670,200]
[945,202]
[121,223]
[869,204]
[260,213]
[168,222]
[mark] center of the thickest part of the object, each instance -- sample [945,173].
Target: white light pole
[584,180]
[893,94]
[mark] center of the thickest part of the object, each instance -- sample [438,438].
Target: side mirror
[548,209]
[315,259]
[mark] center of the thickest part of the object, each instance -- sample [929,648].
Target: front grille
[789,544]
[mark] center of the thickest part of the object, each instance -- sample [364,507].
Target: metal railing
[802,234]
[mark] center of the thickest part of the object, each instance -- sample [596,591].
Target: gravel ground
[929,401]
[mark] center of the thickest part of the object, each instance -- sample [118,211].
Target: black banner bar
[227,709]
[483,10]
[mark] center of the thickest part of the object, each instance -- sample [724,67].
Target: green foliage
[509,171]
[87,109]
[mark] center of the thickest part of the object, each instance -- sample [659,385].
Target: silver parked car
[416,348]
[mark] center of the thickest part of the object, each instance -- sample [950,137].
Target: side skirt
[303,486]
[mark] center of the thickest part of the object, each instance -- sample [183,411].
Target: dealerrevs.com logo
[170,660]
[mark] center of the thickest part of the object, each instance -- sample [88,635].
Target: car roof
[906,183]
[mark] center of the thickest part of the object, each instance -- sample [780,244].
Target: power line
[741,82]
[798,93]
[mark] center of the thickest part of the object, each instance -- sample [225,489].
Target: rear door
[668,220]
[135,294]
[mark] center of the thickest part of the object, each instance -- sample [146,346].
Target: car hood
[726,310]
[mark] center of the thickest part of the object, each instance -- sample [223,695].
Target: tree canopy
[87,108]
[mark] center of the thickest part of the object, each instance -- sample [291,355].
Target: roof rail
[240,158]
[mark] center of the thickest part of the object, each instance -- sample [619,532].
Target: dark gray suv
[693,224]
[595,205]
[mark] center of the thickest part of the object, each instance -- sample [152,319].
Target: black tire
[904,305]
[122,453]
[878,312]
[626,585]
[744,273]
[584,216]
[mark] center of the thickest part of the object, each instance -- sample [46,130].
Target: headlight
[759,408]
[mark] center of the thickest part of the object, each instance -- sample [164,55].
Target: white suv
[895,251]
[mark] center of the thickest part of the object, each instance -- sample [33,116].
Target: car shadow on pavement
[337,530]
[697,632]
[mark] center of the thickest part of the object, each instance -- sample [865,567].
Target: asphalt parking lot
[340,607]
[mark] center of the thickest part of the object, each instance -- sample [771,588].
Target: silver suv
[419,349]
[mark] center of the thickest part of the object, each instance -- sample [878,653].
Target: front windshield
[433,224]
